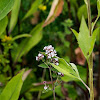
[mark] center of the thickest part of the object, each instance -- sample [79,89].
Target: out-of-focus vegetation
[26,26]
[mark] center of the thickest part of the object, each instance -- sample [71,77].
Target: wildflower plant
[50,60]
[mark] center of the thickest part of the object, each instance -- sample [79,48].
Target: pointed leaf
[12,89]
[75,33]
[55,11]
[14,14]
[26,73]
[5,7]
[43,65]
[33,8]
[65,68]
[3,24]
[84,40]
[86,2]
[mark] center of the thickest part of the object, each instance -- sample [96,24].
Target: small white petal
[57,64]
[45,87]
[59,73]
[36,58]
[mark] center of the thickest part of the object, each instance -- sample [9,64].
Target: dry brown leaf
[79,56]
[35,19]
[55,11]
[26,73]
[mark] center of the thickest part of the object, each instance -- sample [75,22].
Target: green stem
[43,75]
[85,84]
[95,23]
[53,88]
[90,60]
[90,64]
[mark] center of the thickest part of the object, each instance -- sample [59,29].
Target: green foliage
[33,8]
[5,7]
[67,69]
[20,36]
[43,65]
[3,24]
[67,24]
[98,7]
[85,41]
[14,14]
[82,73]
[82,11]
[12,89]
[27,44]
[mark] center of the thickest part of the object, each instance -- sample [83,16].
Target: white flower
[39,57]
[57,64]
[59,73]
[45,87]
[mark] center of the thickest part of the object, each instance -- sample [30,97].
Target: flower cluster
[6,38]
[39,57]
[50,53]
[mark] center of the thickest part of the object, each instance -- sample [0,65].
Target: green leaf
[5,7]
[75,33]
[14,14]
[12,89]
[43,65]
[93,39]
[82,11]
[20,36]
[84,40]
[65,68]
[75,68]
[82,73]
[3,24]
[27,44]
[33,8]
[98,7]
[86,2]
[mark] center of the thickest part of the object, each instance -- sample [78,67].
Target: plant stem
[95,23]
[90,64]
[43,75]
[53,88]
[85,84]
[90,59]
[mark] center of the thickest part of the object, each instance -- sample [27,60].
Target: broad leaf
[3,24]
[5,7]
[33,8]
[27,44]
[14,14]
[55,11]
[43,65]
[98,7]
[82,73]
[12,89]
[65,68]
[85,41]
